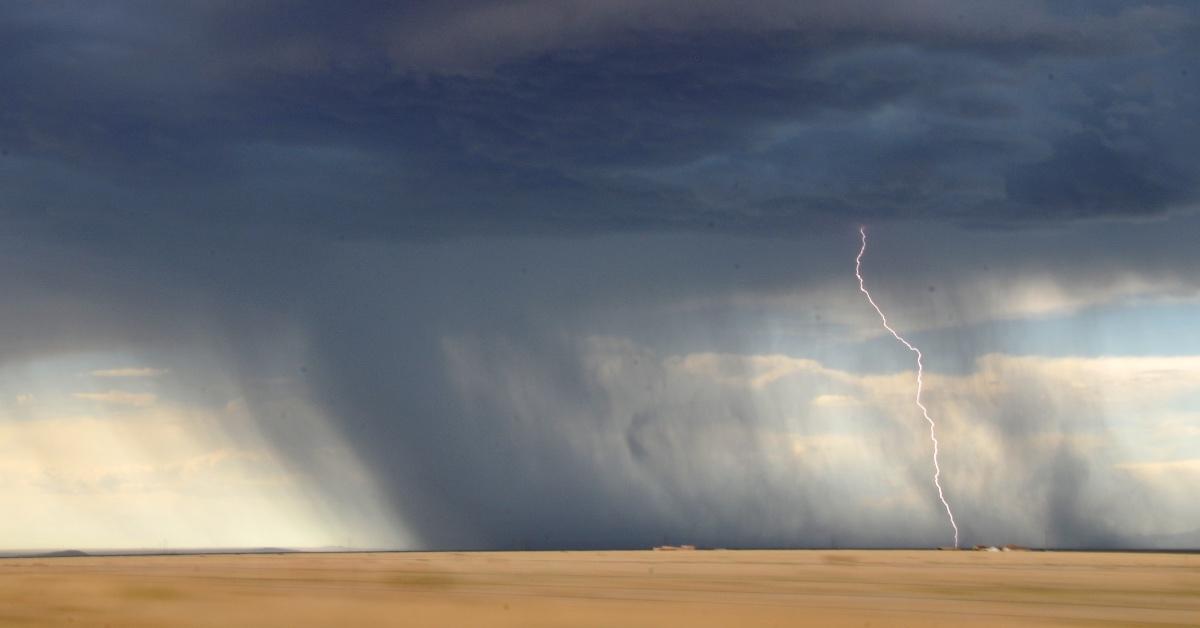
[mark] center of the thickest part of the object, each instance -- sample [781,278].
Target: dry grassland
[626,589]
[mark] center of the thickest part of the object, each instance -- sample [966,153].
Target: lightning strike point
[937,470]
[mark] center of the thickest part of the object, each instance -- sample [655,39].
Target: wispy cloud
[834,401]
[129,372]
[120,397]
[1165,467]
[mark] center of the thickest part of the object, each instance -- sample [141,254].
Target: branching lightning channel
[937,470]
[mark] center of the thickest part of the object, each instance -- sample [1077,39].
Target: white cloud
[119,397]
[754,371]
[129,372]
[1172,467]
[1026,296]
[834,401]
[964,297]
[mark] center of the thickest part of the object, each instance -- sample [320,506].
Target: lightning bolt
[937,470]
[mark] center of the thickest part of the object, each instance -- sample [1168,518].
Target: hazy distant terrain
[681,588]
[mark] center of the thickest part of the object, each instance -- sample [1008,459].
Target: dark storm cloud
[177,177]
[472,117]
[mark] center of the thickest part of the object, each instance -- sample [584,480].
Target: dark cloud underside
[573,117]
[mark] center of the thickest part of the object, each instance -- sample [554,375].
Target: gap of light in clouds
[150,467]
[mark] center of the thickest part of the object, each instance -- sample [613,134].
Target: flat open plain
[627,589]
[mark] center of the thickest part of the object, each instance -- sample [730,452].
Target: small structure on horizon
[1010,547]
[674,548]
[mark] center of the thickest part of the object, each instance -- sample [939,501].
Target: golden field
[627,589]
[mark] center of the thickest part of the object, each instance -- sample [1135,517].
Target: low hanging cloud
[119,397]
[613,391]
[1032,448]
[129,372]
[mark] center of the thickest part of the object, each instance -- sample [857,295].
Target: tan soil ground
[626,589]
